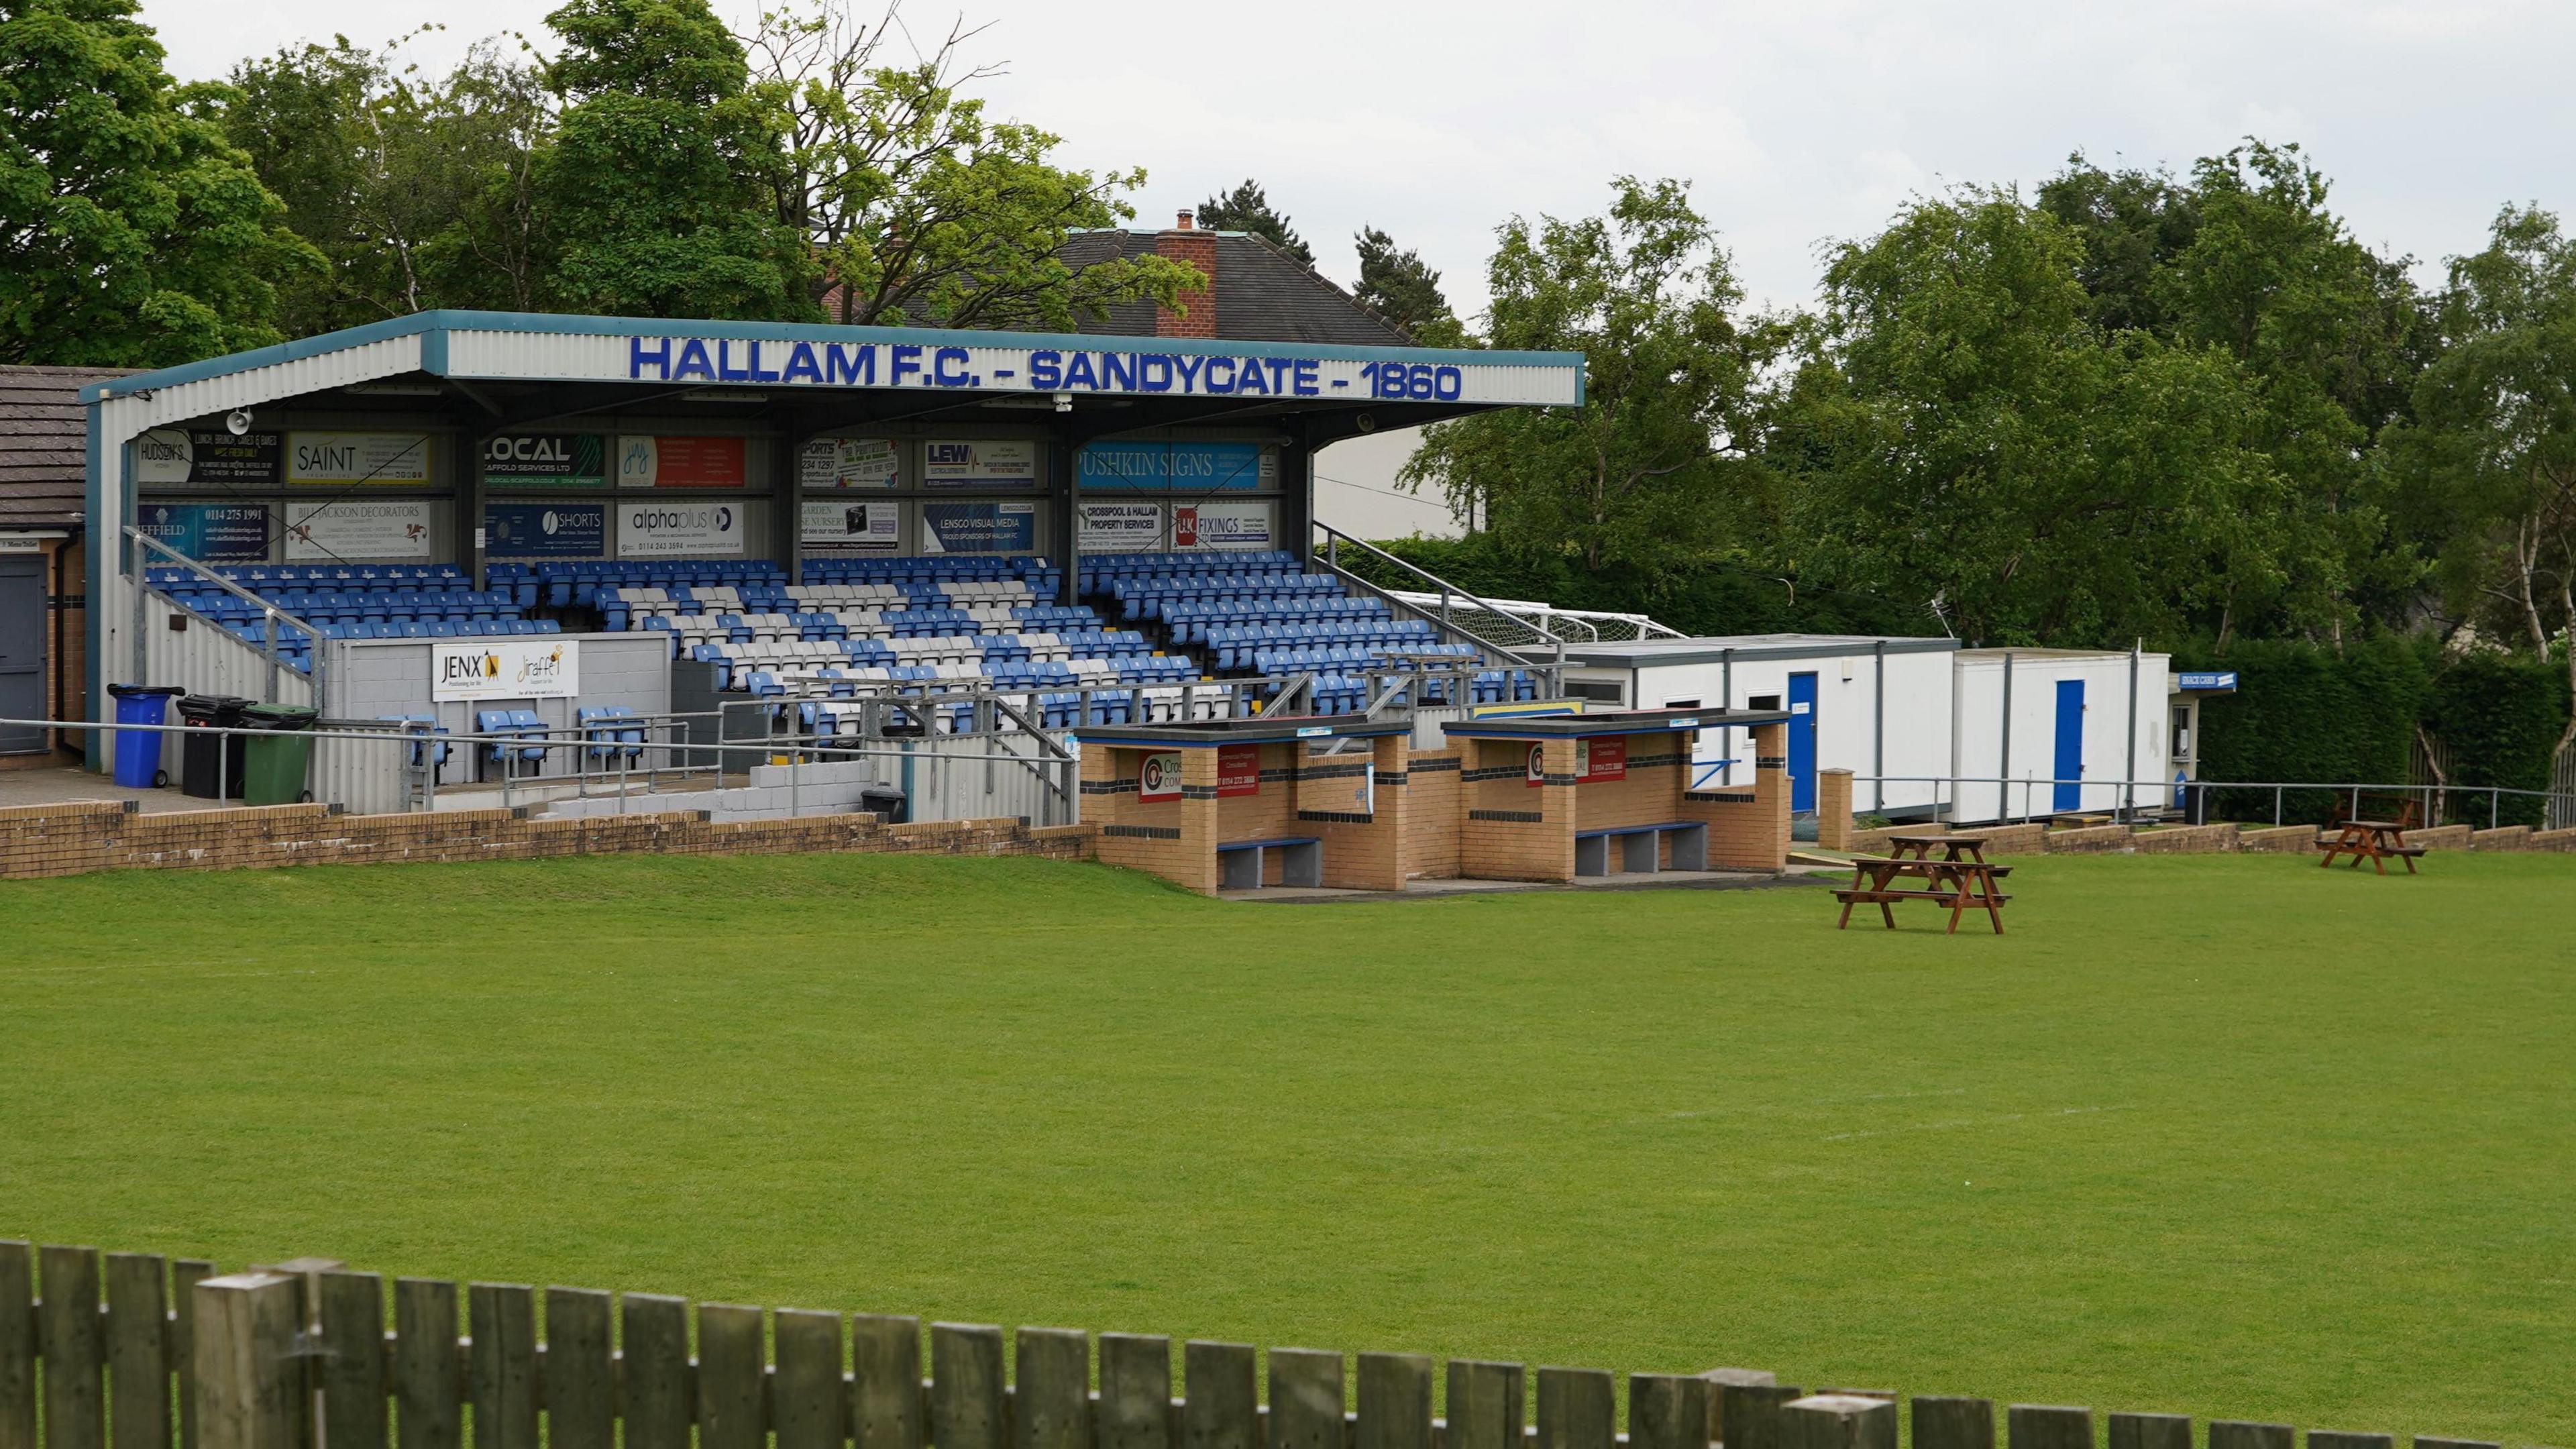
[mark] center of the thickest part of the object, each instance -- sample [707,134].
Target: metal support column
[1064,529]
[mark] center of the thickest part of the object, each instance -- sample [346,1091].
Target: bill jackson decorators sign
[1257,371]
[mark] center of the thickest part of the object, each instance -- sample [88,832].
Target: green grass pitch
[2227,1136]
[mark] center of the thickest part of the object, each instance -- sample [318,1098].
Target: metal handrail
[1334,538]
[2280,790]
[143,585]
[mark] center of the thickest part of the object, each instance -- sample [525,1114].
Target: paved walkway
[55,785]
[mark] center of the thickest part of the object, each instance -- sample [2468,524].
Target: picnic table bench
[2376,841]
[1961,879]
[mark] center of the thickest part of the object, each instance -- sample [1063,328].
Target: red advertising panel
[1607,759]
[682,462]
[1238,770]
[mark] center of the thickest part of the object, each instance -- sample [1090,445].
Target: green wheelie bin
[273,764]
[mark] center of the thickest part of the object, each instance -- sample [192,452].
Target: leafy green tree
[2133,224]
[134,235]
[2488,463]
[1966,436]
[1404,291]
[658,188]
[1247,208]
[417,192]
[1651,471]
[919,208]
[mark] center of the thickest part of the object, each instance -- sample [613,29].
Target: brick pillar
[1556,806]
[1834,809]
[1184,243]
[1771,790]
[1198,820]
[1383,863]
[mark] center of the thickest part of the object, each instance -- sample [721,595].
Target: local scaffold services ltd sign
[788,362]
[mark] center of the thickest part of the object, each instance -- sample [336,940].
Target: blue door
[2070,745]
[1802,742]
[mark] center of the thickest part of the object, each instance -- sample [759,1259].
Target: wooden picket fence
[300,1357]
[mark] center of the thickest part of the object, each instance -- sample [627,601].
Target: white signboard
[1210,526]
[1121,527]
[851,463]
[472,669]
[788,357]
[162,456]
[980,463]
[837,525]
[679,530]
[357,457]
[388,529]
[1159,778]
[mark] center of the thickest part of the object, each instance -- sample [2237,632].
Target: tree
[918,208]
[1966,437]
[2133,224]
[1404,292]
[2489,460]
[2329,332]
[417,192]
[1246,208]
[659,185]
[1650,470]
[134,235]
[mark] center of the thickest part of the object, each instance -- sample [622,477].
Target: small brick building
[1346,802]
[44,624]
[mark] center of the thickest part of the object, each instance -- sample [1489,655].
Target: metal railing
[1532,616]
[2555,803]
[1444,600]
[271,615]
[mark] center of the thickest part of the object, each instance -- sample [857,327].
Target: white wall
[1979,740]
[1356,491]
[1917,719]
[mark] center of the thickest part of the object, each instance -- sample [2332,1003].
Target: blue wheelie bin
[138,752]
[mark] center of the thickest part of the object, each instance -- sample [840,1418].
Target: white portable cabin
[1874,705]
[1918,722]
[2083,722]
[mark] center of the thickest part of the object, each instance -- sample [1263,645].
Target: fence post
[1837,1421]
[250,1385]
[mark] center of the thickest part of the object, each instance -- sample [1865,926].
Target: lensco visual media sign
[786,362]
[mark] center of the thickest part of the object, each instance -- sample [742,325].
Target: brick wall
[1362,851]
[1509,829]
[1147,837]
[51,840]
[1431,814]
[1749,829]
[1198,249]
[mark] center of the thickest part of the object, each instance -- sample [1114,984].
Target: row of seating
[1189,623]
[1100,571]
[257,577]
[1235,645]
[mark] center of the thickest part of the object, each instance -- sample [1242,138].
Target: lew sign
[503,669]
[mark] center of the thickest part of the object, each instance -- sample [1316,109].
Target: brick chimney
[1186,243]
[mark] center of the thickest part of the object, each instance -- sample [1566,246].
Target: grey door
[22,652]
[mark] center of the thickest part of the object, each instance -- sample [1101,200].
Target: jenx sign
[794,357]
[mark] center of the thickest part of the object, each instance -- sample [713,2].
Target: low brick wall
[51,840]
[2089,840]
[2290,839]
[2187,840]
[2503,837]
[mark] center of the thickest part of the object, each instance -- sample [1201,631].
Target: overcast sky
[1798,123]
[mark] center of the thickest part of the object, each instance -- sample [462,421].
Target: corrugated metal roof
[44,442]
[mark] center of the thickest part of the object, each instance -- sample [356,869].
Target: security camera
[239,422]
[1064,402]
[1367,422]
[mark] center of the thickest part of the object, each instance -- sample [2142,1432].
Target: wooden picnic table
[1960,883]
[2376,841]
[1953,847]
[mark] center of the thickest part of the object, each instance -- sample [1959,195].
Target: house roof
[1262,293]
[44,444]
